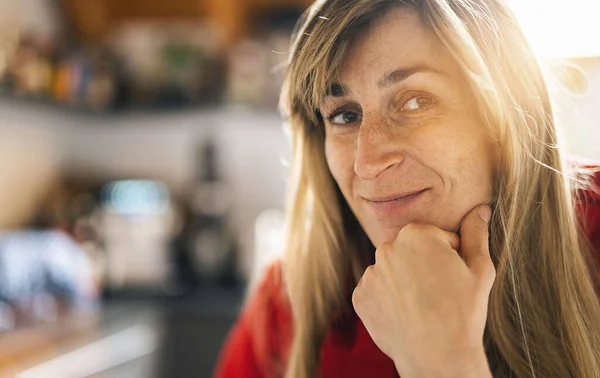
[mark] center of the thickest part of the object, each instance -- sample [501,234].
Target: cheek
[480,155]
[474,160]
[340,159]
[465,155]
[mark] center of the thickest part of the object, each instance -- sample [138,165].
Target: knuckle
[360,291]
[416,234]
[381,253]
[369,271]
[411,228]
[407,233]
[367,275]
[419,229]
[356,294]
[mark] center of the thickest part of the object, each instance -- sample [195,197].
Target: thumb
[474,234]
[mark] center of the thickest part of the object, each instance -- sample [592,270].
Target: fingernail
[485,213]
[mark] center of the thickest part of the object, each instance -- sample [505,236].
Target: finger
[474,248]
[452,239]
[429,232]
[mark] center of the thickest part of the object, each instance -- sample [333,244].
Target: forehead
[397,39]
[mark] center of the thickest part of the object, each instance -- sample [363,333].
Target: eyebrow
[401,74]
[337,90]
[388,80]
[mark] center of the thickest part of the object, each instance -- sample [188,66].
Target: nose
[378,149]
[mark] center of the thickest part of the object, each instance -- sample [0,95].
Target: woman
[417,127]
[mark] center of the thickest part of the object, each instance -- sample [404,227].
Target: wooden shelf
[92,20]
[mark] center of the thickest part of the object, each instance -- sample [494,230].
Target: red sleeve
[238,358]
[258,341]
[587,205]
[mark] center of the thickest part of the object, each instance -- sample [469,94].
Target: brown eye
[344,118]
[418,103]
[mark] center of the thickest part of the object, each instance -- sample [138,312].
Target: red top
[263,330]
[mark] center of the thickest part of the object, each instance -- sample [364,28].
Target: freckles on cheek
[469,170]
[340,161]
[444,150]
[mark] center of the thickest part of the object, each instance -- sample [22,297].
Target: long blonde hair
[544,316]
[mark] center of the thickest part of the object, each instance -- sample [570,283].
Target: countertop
[127,337]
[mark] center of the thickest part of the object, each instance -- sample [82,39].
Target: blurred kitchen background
[143,165]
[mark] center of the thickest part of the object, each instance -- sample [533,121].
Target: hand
[424,301]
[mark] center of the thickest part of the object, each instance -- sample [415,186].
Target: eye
[340,118]
[420,102]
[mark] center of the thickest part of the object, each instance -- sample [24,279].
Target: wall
[252,148]
[579,115]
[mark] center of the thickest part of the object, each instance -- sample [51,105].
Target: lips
[394,197]
[388,208]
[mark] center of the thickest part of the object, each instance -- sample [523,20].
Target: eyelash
[337,112]
[341,110]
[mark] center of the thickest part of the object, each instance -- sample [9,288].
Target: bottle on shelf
[212,242]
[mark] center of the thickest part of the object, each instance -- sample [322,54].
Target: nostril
[369,167]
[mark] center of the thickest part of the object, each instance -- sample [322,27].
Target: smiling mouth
[394,198]
[385,207]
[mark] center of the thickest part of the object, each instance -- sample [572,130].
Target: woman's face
[401,139]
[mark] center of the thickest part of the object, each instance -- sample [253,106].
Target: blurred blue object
[136,197]
[39,264]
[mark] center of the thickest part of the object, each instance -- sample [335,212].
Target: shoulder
[587,195]
[587,202]
[269,289]
[268,316]
[257,340]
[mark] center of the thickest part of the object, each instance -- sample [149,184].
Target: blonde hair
[544,316]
